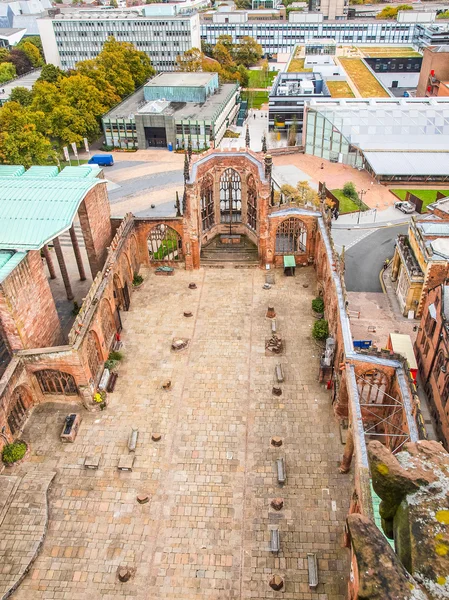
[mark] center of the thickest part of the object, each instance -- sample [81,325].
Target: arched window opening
[372,386]
[107,323]
[252,203]
[291,237]
[445,394]
[164,243]
[207,203]
[56,382]
[19,404]
[94,358]
[230,197]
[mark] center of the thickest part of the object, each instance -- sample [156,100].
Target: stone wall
[27,309]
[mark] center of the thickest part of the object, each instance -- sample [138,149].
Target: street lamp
[360,194]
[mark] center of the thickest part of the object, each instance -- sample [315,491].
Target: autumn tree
[33,54]
[223,56]
[7,71]
[190,61]
[51,73]
[21,95]
[248,51]
[20,60]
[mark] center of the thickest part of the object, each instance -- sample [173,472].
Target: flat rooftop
[180,79]
[180,110]
[113,16]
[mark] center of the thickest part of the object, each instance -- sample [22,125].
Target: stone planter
[24,457]
[317,315]
[138,286]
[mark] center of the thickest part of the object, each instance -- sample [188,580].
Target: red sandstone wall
[27,309]
[94,214]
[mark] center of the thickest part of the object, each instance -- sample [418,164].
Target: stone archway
[21,400]
[207,205]
[291,237]
[108,324]
[164,244]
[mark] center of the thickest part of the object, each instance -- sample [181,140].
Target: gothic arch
[125,268]
[164,244]
[94,355]
[21,400]
[251,196]
[52,381]
[207,202]
[230,196]
[108,327]
[133,252]
[291,236]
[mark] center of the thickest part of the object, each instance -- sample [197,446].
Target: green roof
[9,261]
[36,171]
[11,170]
[34,210]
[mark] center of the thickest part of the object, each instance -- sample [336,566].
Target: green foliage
[231,134]
[443,15]
[292,133]
[137,279]
[320,330]
[20,60]
[110,364]
[22,95]
[391,12]
[51,73]
[248,51]
[7,71]
[349,191]
[33,54]
[113,355]
[318,305]
[13,452]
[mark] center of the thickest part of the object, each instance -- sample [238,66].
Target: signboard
[86,144]
[66,153]
[75,151]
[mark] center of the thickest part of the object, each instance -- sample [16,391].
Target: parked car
[406,207]
[103,160]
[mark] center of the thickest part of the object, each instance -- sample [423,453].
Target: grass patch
[297,66]
[340,89]
[346,204]
[65,163]
[255,99]
[361,77]
[427,196]
[259,79]
[167,247]
[390,52]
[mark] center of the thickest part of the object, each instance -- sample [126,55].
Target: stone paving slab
[204,534]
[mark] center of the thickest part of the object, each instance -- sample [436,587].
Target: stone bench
[273,326]
[70,429]
[132,440]
[312,566]
[280,466]
[92,462]
[279,372]
[126,462]
[275,541]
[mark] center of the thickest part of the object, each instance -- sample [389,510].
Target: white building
[76,36]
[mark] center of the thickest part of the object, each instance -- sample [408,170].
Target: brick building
[421,258]
[432,351]
[435,69]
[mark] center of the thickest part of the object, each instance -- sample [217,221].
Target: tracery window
[18,409]
[164,243]
[207,203]
[56,382]
[252,203]
[93,354]
[230,197]
[107,323]
[291,237]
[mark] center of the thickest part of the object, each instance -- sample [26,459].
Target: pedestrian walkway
[205,532]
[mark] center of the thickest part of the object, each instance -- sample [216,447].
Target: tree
[248,51]
[227,42]
[243,4]
[20,60]
[126,67]
[51,73]
[35,40]
[223,56]
[290,193]
[390,12]
[33,54]
[81,93]
[7,72]
[306,194]
[292,133]
[443,15]
[207,48]
[22,96]
[244,75]
[191,61]
[97,73]
[113,3]
[349,191]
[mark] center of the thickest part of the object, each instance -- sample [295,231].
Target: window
[19,403]
[56,382]
[94,358]
[291,237]
[230,197]
[164,243]
[207,203]
[430,325]
[107,323]
[252,203]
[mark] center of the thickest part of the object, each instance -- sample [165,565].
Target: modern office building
[288,95]
[23,14]
[10,36]
[170,109]
[404,139]
[71,37]
[330,9]
[398,74]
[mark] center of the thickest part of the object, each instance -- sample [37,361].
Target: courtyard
[205,531]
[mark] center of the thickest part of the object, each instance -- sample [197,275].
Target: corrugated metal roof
[36,171]
[74,172]
[408,163]
[9,261]
[34,211]
[11,170]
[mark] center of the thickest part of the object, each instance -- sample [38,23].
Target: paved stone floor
[205,532]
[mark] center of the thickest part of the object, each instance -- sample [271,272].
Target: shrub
[320,330]
[349,191]
[110,364]
[318,305]
[137,279]
[13,452]
[115,356]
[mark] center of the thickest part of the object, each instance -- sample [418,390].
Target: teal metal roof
[33,211]
[11,170]
[36,171]
[81,171]
[9,261]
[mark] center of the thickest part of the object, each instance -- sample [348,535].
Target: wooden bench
[275,541]
[312,566]
[279,372]
[132,440]
[280,466]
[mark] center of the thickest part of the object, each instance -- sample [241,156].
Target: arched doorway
[164,244]
[94,357]
[121,294]
[207,203]
[230,197]
[251,203]
[291,237]
[56,382]
[21,400]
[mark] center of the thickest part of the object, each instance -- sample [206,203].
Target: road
[365,258]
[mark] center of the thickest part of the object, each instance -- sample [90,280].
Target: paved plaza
[204,534]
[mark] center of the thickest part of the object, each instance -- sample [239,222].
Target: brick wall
[27,309]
